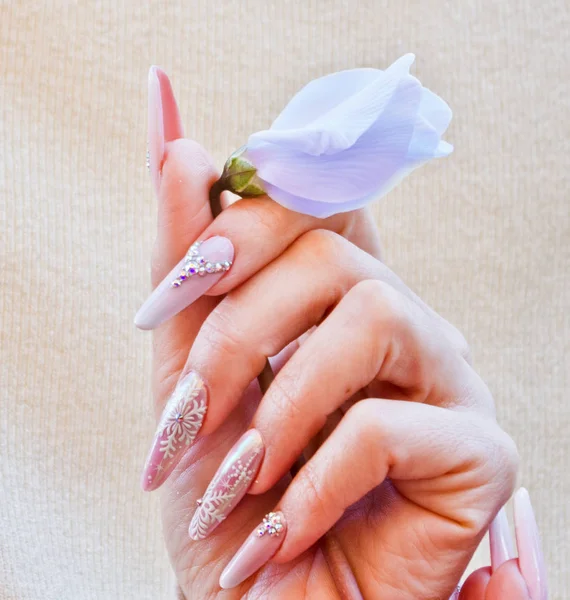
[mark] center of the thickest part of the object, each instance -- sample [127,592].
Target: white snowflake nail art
[179,425]
[229,485]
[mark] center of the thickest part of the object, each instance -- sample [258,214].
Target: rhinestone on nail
[270,525]
[196,264]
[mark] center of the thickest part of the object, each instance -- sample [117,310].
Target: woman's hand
[415,466]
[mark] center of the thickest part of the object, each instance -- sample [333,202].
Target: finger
[455,468]
[263,315]
[259,230]
[507,582]
[475,585]
[531,559]
[500,540]
[398,346]
[183,173]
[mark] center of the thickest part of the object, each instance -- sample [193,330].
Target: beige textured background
[483,236]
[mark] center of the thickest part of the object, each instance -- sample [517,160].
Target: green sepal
[240,176]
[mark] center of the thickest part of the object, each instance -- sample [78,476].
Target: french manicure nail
[500,540]
[262,543]
[531,559]
[229,484]
[155,128]
[203,266]
[179,425]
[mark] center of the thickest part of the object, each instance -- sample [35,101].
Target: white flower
[346,139]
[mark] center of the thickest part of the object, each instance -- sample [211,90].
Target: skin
[414,467]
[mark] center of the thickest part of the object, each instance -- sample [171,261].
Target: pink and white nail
[262,543]
[204,265]
[229,485]
[179,425]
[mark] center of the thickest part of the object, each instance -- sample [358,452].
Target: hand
[423,470]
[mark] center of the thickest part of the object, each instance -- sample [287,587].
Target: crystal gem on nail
[271,525]
[195,264]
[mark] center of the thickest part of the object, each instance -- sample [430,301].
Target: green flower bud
[240,176]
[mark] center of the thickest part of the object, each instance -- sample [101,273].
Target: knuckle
[321,244]
[285,398]
[220,335]
[506,458]
[315,497]
[374,438]
[383,305]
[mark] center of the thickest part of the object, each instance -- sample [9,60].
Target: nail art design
[229,485]
[271,525]
[170,297]
[195,264]
[262,543]
[179,425]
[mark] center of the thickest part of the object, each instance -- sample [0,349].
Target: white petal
[364,167]
[340,127]
[435,111]
[322,94]
[402,66]
[322,210]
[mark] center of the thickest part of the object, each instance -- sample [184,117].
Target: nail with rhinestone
[195,264]
[178,427]
[229,485]
[258,548]
[189,280]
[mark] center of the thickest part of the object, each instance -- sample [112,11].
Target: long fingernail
[500,540]
[179,425]
[262,543]
[531,559]
[229,485]
[202,267]
[155,128]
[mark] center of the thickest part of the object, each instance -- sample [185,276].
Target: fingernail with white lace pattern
[179,425]
[229,484]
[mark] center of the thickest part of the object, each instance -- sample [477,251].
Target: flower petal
[435,111]
[322,94]
[340,127]
[356,172]
[322,210]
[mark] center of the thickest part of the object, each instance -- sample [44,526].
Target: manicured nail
[202,267]
[531,559]
[262,543]
[229,485]
[155,128]
[179,425]
[164,123]
[500,540]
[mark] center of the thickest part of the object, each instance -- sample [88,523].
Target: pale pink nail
[179,425]
[500,540]
[531,559]
[202,267]
[164,123]
[155,128]
[229,485]
[262,543]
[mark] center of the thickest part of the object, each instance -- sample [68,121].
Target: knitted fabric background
[483,236]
